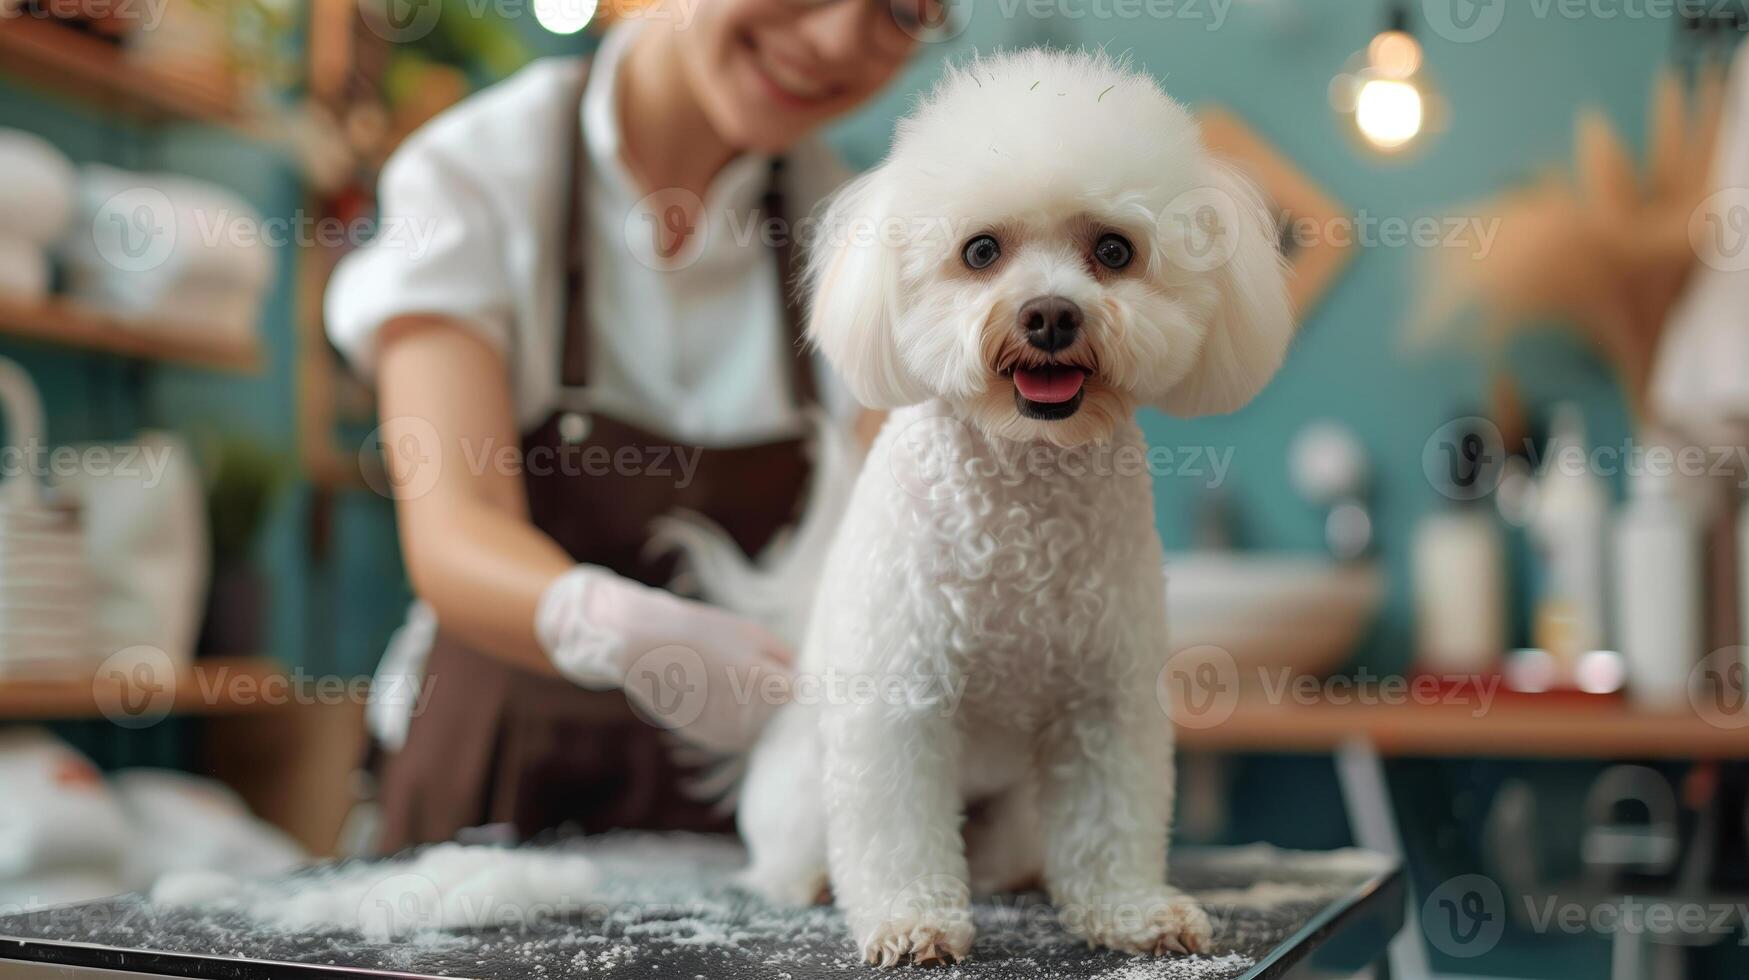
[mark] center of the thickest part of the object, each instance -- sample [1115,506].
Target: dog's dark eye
[981,251]
[1113,251]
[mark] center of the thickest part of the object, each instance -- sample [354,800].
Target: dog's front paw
[1150,924]
[929,922]
[944,937]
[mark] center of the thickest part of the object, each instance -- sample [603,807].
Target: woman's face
[768,72]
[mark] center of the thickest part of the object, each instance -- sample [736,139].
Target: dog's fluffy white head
[1045,218]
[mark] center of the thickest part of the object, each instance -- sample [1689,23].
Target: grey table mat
[666,908]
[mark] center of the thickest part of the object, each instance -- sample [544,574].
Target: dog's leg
[1106,801]
[893,808]
[781,813]
[1004,844]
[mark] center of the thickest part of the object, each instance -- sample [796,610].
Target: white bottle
[1570,524]
[1660,609]
[1460,601]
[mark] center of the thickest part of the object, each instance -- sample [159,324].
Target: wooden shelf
[67,324]
[211,686]
[47,55]
[1513,726]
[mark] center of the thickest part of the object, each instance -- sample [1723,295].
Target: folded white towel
[161,230]
[194,308]
[24,269]
[145,543]
[183,822]
[36,188]
[56,812]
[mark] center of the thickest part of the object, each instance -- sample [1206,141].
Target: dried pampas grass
[1603,249]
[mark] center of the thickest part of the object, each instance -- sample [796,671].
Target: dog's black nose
[1050,322]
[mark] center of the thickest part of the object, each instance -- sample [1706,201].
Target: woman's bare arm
[454,457]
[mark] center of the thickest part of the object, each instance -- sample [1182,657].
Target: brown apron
[499,745]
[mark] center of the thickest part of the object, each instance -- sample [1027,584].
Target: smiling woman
[634,175]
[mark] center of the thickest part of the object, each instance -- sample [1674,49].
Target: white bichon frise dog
[1046,249]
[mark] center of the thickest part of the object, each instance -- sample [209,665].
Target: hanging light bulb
[564,16]
[1383,91]
[1388,113]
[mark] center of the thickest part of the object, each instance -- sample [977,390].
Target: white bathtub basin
[1271,610]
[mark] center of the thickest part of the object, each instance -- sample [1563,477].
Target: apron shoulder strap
[574,357]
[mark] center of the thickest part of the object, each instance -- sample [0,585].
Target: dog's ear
[853,276]
[1253,323]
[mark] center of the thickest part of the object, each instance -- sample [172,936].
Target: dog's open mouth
[1048,391]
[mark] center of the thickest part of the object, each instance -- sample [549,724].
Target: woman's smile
[787,83]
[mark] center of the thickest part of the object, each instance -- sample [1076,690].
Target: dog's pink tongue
[1049,384]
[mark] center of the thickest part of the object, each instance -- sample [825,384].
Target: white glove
[709,675]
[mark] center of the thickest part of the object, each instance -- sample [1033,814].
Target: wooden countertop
[65,323]
[1512,725]
[126,692]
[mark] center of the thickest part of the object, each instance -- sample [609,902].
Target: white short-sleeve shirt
[691,346]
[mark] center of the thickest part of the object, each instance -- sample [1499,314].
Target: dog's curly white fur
[993,605]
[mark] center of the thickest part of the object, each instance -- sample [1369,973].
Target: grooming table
[668,911]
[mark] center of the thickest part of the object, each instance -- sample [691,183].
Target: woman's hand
[711,676]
